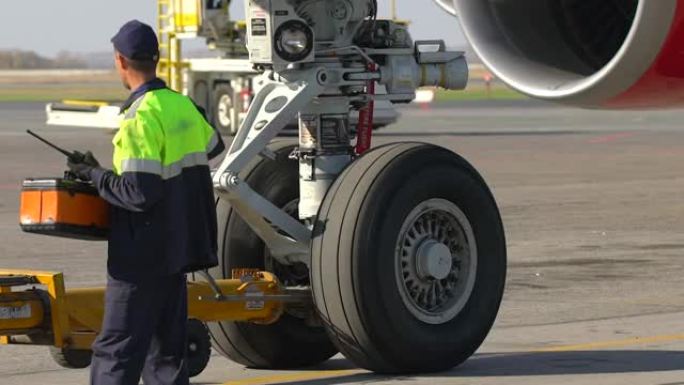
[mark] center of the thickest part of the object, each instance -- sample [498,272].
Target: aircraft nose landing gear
[404,245]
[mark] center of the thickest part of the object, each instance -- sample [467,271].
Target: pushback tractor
[393,255]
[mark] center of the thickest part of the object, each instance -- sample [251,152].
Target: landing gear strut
[404,245]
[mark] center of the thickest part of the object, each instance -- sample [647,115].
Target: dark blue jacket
[163,218]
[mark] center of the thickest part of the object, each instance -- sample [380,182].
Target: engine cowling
[590,53]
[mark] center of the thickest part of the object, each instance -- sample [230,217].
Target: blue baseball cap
[137,41]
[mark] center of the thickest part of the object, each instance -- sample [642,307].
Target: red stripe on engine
[663,84]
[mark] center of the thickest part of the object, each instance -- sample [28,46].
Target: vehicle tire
[198,348]
[200,95]
[222,107]
[71,358]
[408,260]
[293,341]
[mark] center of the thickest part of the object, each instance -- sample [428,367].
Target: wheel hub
[436,261]
[225,105]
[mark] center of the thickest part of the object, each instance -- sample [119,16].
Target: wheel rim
[436,261]
[225,106]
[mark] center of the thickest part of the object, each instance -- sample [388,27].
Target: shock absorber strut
[324,150]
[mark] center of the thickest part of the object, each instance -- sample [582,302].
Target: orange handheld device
[63,207]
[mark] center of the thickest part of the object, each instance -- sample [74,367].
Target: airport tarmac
[594,214]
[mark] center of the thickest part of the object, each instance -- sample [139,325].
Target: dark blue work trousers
[143,333]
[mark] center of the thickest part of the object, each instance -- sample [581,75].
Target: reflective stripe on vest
[168,171]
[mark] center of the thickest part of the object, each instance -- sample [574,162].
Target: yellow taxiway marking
[296,377]
[323,374]
[613,344]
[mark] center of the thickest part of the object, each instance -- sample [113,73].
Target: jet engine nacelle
[590,53]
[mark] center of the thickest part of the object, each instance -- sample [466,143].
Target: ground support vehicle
[37,309]
[222,85]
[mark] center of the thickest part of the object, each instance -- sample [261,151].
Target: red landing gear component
[364,129]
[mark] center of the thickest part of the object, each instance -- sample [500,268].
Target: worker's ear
[121,61]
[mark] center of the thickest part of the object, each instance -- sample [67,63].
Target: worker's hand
[89,159]
[82,167]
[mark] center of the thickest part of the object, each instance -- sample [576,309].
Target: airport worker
[163,220]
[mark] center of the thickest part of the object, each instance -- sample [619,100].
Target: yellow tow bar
[36,309]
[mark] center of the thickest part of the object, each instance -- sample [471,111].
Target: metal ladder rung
[170,63]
